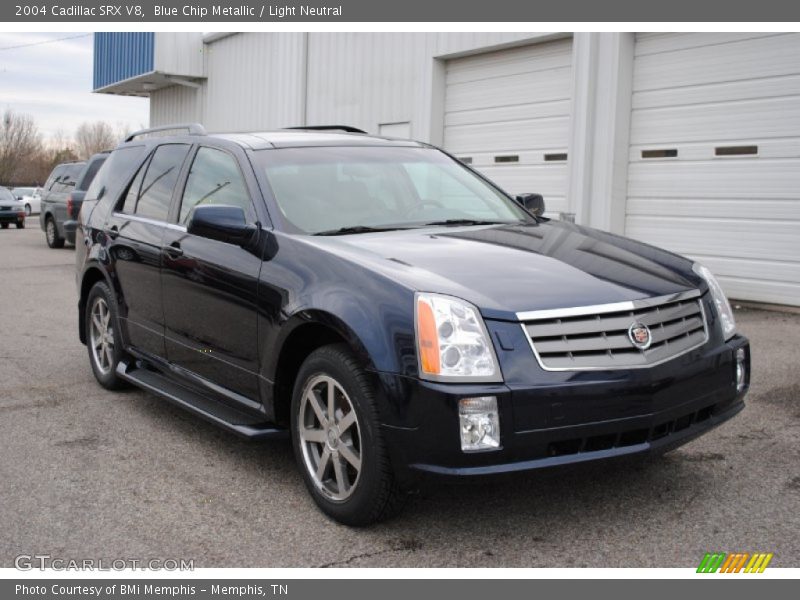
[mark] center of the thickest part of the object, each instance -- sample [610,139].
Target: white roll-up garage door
[714,167]
[507,114]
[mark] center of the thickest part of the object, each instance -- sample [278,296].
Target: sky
[52,82]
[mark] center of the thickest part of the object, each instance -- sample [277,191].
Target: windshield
[23,191]
[324,189]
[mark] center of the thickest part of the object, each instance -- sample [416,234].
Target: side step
[227,417]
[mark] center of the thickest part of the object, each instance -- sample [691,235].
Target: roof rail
[192,128]
[345,128]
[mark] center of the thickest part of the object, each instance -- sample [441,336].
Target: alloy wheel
[50,230]
[330,437]
[101,336]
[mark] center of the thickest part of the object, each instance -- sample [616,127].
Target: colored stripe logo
[738,562]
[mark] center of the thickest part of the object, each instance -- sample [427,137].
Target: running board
[227,417]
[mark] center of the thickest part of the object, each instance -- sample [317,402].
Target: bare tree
[94,137]
[122,131]
[19,142]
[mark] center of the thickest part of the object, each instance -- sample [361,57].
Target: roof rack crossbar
[192,128]
[345,128]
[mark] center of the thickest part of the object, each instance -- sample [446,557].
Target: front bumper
[564,418]
[11,217]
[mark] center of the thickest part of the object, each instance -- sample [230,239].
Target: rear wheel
[28,210]
[102,337]
[51,234]
[337,441]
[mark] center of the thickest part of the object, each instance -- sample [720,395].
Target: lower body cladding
[568,417]
[69,228]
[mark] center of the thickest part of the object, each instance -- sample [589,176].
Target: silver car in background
[31,197]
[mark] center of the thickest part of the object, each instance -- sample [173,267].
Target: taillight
[70,205]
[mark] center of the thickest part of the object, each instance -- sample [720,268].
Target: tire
[371,492]
[20,224]
[27,210]
[51,234]
[4,225]
[102,336]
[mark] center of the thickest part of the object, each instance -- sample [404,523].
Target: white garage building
[688,141]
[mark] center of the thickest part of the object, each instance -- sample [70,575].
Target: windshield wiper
[468,222]
[357,229]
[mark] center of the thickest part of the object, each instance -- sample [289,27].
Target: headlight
[724,309]
[452,342]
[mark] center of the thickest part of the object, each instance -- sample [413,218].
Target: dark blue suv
[392,311]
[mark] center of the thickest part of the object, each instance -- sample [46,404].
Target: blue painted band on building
[121,55]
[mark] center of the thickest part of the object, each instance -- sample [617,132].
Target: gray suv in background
[62,196]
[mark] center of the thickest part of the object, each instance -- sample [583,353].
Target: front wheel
[102,336]
[20,224]
[4,225]
[337,441]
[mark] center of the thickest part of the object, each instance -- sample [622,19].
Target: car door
[209,286]
[135,229]
[61,191]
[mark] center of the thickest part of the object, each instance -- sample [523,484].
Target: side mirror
[532,202]
[222,223]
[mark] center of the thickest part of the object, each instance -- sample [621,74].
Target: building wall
[259,80]
[683,93]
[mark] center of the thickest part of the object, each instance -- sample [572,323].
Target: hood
[504,270]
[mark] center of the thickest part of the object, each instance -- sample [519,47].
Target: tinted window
[56,174]
[67,177]
[90,172]
[214,179]
[115,172]
[159,181]
[128,202]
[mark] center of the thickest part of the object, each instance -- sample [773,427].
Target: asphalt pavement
[87,473]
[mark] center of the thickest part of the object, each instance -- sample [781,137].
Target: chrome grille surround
[595,338]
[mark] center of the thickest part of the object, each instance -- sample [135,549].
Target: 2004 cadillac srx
[393,311]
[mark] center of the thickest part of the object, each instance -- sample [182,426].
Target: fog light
[741,370]
[479,424]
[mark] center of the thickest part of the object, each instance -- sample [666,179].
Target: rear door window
[115,173]
[159,181]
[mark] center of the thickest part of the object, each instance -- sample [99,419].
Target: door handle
[173,250]
[113,232]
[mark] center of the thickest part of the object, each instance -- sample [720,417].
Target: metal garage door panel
[770,117]
[709,208]
[737,91]
[652,43]
[512,90]
[694,93]
[747,58]
[513,103]
[501,114]
[510,137]
[768,240]
[721,178]
[512,61]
